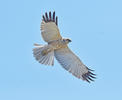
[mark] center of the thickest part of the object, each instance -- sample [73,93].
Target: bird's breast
[58,44]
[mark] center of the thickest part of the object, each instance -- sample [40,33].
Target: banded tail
[46,59]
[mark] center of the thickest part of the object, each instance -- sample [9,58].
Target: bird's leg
[46,51]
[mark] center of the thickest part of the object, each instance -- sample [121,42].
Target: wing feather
[73,64]
[49,28]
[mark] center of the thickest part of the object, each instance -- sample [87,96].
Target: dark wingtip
[89,76]
[50,18]
[46,16]
[89,69]
[56,20]
[54,16]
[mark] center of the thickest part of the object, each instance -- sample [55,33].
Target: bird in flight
[57,47]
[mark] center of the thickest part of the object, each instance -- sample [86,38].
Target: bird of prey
[57,47]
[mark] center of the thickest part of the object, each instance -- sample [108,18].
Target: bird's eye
[69,40]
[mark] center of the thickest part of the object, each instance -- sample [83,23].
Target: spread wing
[73,64]
[49,27]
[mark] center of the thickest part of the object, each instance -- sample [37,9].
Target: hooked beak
[70,40]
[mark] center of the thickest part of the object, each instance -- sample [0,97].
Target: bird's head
[66,40]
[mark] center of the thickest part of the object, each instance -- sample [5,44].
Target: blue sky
[95,27]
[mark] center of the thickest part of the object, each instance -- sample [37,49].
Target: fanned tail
[47,59]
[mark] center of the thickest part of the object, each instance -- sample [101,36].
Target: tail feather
[47,59]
